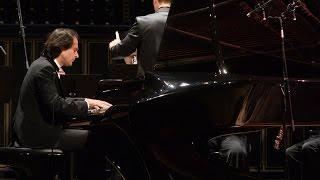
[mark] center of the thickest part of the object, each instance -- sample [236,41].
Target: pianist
[42,110]
[145,36]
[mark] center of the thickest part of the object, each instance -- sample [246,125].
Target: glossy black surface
[232,100]
[187,98]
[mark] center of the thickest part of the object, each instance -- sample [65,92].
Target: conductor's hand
[115,41]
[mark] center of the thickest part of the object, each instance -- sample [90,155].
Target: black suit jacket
[145,35]
[42,110]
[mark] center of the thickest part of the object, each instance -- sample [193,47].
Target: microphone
[254,10]
[291,8]
[296,1]
[2,49]
[259,7]
[294,5]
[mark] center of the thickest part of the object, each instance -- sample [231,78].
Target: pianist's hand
[98,104]
[114,42]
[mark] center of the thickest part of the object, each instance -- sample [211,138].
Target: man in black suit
[145,36]
[42,109]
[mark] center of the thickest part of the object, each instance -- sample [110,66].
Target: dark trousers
[303,159]
[106,151]
[72,139]
[90,152]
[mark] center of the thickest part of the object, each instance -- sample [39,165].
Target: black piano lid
[187,37]
[248,45]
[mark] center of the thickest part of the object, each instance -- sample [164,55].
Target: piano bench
[7,172]
[30,163]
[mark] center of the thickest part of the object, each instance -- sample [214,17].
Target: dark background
[95,21]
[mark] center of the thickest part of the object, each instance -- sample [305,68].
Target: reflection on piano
[186,98]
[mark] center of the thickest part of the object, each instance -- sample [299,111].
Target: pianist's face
[67,56]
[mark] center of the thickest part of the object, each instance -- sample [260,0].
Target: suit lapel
[57,79]
[58,85]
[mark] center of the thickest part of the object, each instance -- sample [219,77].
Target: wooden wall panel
[2,129]
[97,57]
[3,57]
[5,119]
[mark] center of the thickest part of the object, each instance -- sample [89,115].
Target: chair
[7,172]
[30,163]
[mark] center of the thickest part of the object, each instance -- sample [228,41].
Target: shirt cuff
[87,103]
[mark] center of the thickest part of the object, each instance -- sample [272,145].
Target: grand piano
[216,69]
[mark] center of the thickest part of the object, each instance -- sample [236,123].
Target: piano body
[185,97]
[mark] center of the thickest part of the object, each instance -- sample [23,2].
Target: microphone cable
[54,74]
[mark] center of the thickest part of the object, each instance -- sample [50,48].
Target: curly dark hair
[58,40]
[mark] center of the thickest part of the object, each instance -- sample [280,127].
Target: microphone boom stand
[286,90]
[22,27]
[285,87]
[215,42]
